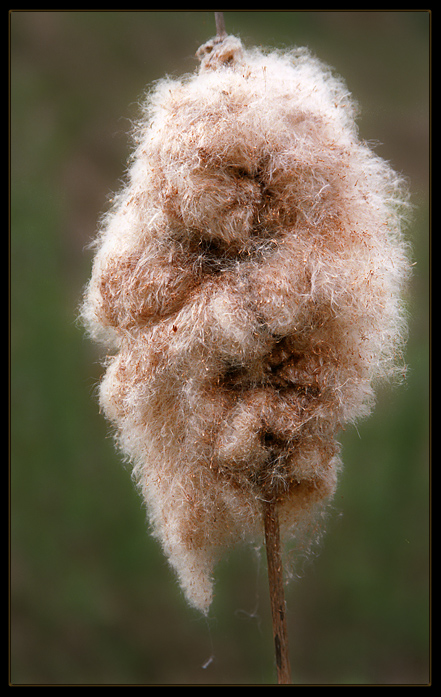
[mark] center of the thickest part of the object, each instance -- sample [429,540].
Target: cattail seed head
[249,279]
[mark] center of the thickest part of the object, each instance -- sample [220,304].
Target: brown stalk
[276,591]
[272,541]
[220,25]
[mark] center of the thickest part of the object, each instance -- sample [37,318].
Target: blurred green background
[93,600]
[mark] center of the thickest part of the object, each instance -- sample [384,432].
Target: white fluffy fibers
[249,279]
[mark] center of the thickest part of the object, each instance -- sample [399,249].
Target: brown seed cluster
[249,278]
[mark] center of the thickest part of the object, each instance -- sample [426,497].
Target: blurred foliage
[92,599]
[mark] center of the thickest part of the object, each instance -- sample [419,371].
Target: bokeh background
[92,598]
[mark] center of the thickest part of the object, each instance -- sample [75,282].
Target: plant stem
[220,25]
[277,594]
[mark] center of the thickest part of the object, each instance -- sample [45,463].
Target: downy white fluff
[249,279]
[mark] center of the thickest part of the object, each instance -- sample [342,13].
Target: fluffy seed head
[249,279]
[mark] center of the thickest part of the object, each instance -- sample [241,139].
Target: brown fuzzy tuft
[250,279]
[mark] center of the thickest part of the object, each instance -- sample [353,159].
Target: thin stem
[220,25]
[277,594]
